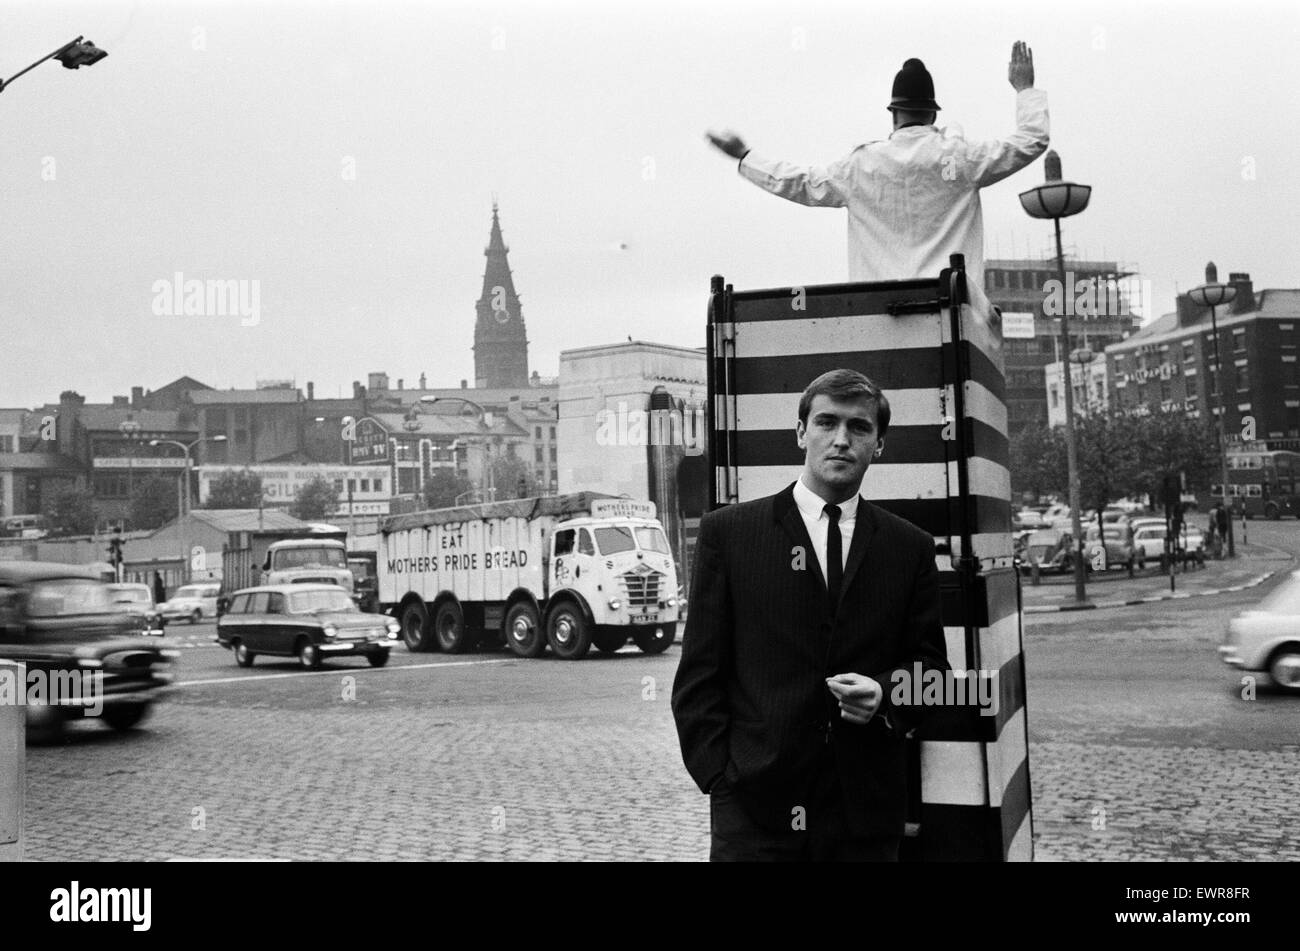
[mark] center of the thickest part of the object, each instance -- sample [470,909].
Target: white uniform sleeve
[989,162]
[825,186]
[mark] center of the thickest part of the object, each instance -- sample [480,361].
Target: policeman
[912,199]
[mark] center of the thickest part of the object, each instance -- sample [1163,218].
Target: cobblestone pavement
[432,765]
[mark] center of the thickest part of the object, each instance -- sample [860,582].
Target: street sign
[1017,326]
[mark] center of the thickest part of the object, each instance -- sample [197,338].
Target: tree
[443,486]
[1108,450]
[512,477]
[1174,443]
[235,490]
[153,503]
[71,512]
[317,498]
[1038,460]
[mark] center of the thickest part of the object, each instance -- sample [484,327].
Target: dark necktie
[834,557]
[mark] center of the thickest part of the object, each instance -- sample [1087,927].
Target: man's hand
[729,142]
[1021,71]
[858,694]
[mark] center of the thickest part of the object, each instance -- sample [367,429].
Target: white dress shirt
[812,509]
[913,199]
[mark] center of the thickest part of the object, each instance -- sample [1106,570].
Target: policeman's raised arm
[989,162]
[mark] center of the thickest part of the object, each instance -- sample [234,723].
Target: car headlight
[615,604]
[330,630]
[394,628]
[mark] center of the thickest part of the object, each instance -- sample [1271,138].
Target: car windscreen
[309,558]
[139,595]
[307,602]
[190,591]
[1284,599]
[58,597]
[652,539]
[615,539]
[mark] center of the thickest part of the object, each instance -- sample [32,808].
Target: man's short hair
[846,385]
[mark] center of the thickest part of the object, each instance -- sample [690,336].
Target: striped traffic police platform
[934,347]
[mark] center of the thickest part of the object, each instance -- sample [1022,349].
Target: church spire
[500,338]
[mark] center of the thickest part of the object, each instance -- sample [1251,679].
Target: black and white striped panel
[768,352]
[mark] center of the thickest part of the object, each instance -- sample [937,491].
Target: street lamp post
[80,52]
[183,497]
[1211,294]
[1057,199]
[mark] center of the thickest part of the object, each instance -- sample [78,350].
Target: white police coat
[913,199]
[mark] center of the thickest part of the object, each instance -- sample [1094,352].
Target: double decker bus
[1262,483]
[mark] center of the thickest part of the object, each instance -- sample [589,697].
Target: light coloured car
[1150,538]
[1266,639]
[137,601]
[192,601]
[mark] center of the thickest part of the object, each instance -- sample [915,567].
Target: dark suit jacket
[750,697]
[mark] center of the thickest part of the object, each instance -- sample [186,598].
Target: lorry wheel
[243,656]
[523,630]
[568,632]
[610,639]
[449,628]
[125,716]
[654,638]
[416,631]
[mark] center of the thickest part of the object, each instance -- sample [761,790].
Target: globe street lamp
[183,496]
[80,52]
[1057,199]
[1211,294]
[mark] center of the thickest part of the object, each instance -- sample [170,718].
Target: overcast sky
[345,156]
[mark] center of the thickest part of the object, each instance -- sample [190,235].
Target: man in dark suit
[804,604]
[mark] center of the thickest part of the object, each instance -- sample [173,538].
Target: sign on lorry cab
[567,571]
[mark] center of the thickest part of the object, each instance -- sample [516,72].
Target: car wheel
[567,631]
[196,616]
[126,715]
[654,638]
[243,656]
[416,632]
[523,630]
[308,654]
[1284,668]
[377,658]
[449,628]
[44,725]
[609,640]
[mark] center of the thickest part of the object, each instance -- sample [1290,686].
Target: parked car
[1116,540]
[1149,534]
[1049,548]
[61,620]
[192,601]
[1266,639]
[137,601]
[307,621]
[1027,519]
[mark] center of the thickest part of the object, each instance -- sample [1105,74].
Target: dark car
[60,620]
[307,621]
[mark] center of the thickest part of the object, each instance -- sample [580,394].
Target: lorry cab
[307,561]
[622,567]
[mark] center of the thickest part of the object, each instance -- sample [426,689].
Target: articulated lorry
[284,556]
[565,571]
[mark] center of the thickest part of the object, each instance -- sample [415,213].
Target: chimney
[358,391]
[464,384]
[121,401]
[1245,300]
[378,382]
[70,403]
[423,382]
[1188,312]
[311,390]
[400,383]
[137,395]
